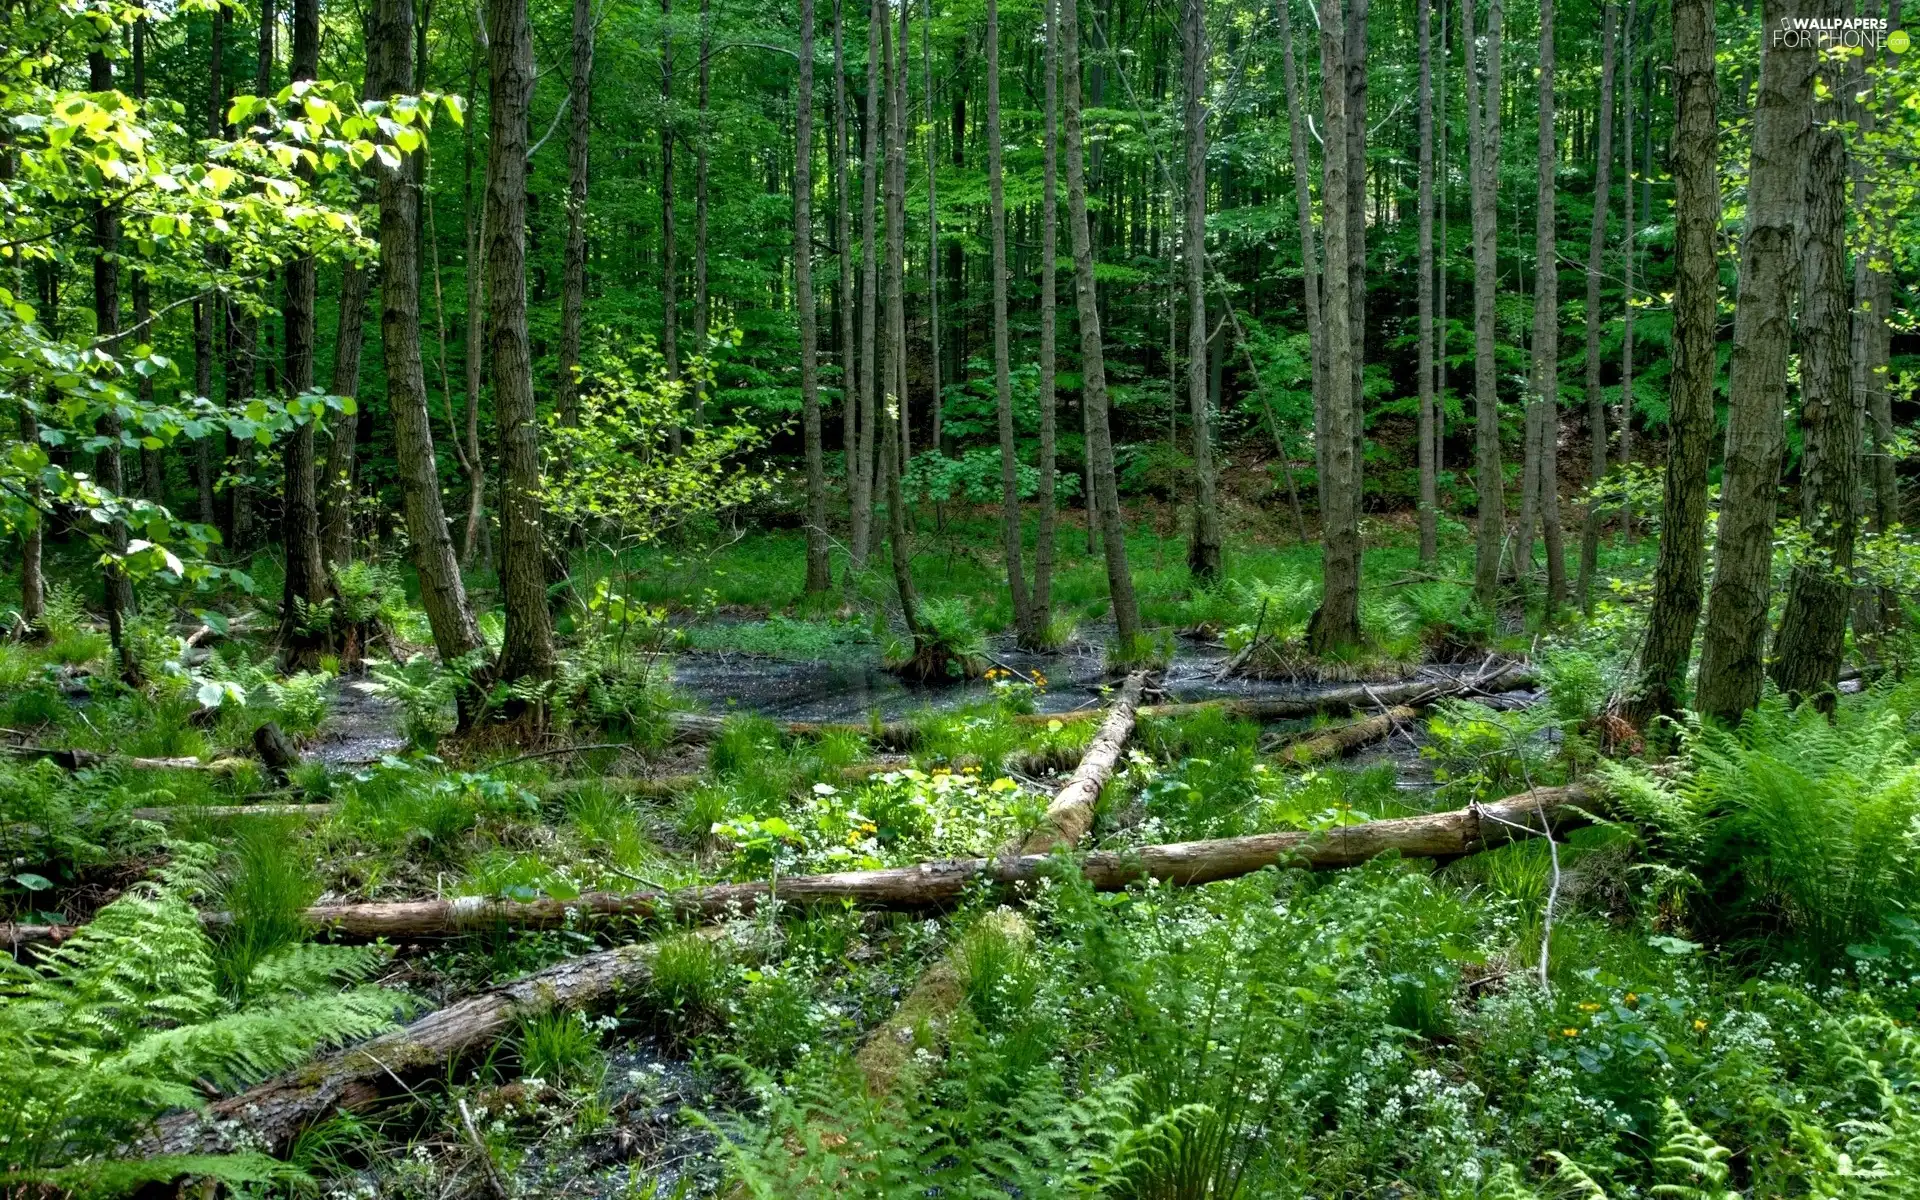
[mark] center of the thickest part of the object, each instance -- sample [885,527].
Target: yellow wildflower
[1699,1026]
[1569,1031]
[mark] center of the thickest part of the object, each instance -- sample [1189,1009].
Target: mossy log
[274,1112]
[1342,740]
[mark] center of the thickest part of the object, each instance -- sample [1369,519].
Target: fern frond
[306,967]
[1695,1164]
[243,1047]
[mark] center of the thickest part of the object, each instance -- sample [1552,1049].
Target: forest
[1152,599]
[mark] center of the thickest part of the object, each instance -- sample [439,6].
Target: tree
[1483,152]
[442,592]
[1596,265]
[843,244]
[1427,433]
[1043,548]
[819,569]
[1104,485]
[1812,637]
[1203,554]
[527,650]
[669,266]
[1011,533]
[1696,296]
[305,586]
[107,464]
[1336,623]
[573,288]
[860,492]
[1310,274]
[1732,652]
[893,404]
[1540,492]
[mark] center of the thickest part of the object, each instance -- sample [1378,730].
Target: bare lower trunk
[1596,264]
[573,287]
[1104,487]
[1733,651]
[306,571]
[819,568]
[872,395]
[669,266]
[33,582]
[118,588]
[1483,129]
[702,301]
[843,244]
[1203,554]
[1545,387]
[442,593]
[337,478]
[527,650]
[1428,501]
[893,397]
[1310,274]
[1336,623]
[1813,627]
[1696,294]
[1043,548]
[1010,530]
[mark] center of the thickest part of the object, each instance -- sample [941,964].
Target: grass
[270,880]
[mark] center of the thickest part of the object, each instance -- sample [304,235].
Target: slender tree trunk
[306,572]
[336,494]
[1429,485]
[898,97]
[1356,72]
[153,475]
[819,567]
[1696,295]
[107,464]
[527,651]
[1596,264]
[1873,306]
[933,220]
[872,395]
[1813,627]
[1732,652]
[891,458]
[1483,130]
[1043,548]
[1010,530]
[1627,255]
[1203,555]
[473,537]
[573,287]
[206,469]
[1093,369]
[1311,299]
[669,247]
[843,242]
[702,302]
[1544,402]
[442,593]
[1336,623]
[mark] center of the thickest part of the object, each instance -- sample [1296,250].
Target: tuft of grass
[269,882]
[562,1048]
[689,972]
[78,648]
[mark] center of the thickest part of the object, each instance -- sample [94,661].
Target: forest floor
[1692,979]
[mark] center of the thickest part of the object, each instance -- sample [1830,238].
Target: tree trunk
[872,396]
[1336,623]
[1429,478]
[1011,533]
[702,301]
[1544,402]
[153,475]
[892,460]
[1356,131]
[843,242]
[107,464]
[1733,651]
[573,287]
[819,568]
[1596,265]
[206,468]
[306,571]
[33,581]
[1695,154]
[1104,486]
[1043,548]
[1483,130]
[1813,627]
[669,266]
[336,497]
[933,219]
[1203,555]
[527,650]
[473,536]
[1311,296]
[1345,739]
[442,592]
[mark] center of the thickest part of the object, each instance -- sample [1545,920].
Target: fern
[127,1020]
[1692,1164]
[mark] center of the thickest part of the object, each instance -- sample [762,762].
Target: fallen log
[1343,740]
[1070,816]
[1417,693]
[274,1112]
[669,787]
[70,759]
[222,812]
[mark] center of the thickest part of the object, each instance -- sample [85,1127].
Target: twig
[492,1169]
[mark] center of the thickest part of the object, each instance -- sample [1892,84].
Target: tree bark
[933,221]
[872,394]
[527,651]
[1310,274]
[336,496]
[1043,548]
[1483,130]
[1596,264]
[702,301]
[473,535]
[892,448]
[1733,651]
[1676,581]
[843,242]
[118,588]
[206,470]
[819,568]
[1625,419]
[153,475]
[1104,486]
[1345,739]
[1356,137]
[669,266]
[573,287]
[1544,401]
[1011,533]
[442,592]
[1429,478]
[306,573]
[1203,554]
[1336,623]
[1813,627]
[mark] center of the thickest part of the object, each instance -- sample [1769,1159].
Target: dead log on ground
[274,1112]
[70,759]
[1343,740]
[222,812]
